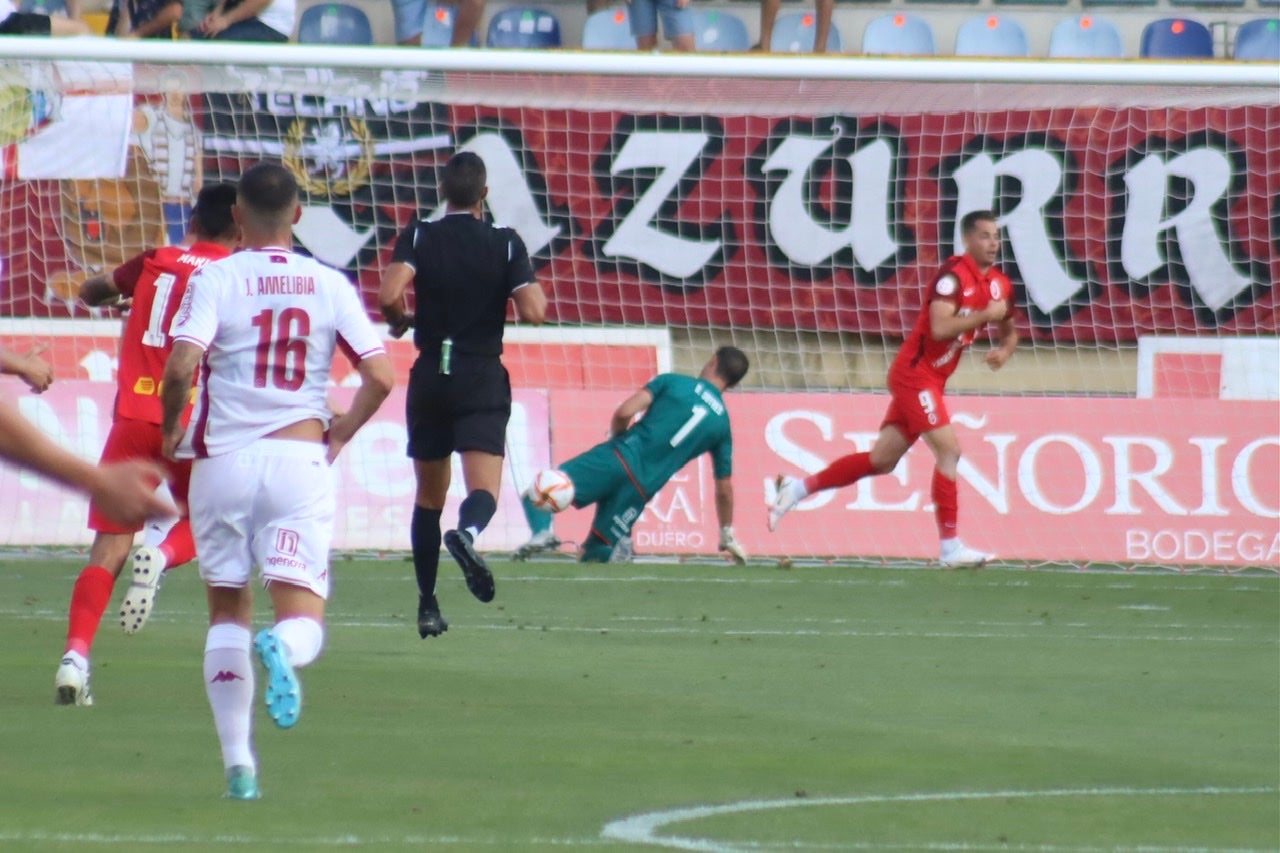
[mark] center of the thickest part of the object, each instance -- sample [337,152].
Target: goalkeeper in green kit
[684,417]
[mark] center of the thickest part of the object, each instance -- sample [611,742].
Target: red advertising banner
[1118,222]
[1042,479]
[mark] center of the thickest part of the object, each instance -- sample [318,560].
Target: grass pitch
[861,709]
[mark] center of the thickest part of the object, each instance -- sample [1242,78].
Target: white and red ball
[552,490]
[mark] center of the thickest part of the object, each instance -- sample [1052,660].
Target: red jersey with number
[157,280]
[959,282]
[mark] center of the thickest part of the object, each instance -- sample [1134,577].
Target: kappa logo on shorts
[286,542]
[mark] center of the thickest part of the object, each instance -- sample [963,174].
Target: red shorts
[131,439]
[917,406]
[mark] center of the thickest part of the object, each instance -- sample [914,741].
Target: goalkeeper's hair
[211,216]
[973,217]
[463,181]
[731,365]
[268,194]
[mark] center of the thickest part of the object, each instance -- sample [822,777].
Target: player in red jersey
[155,281]
[968,293]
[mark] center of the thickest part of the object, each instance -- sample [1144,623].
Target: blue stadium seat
[334,23]
[1086,37]
[1258,39]
[717,30]
[44,7]
[899,34]
[437,27]
[794,33]
[991,35]
[608,29]
[523,26]
[1176,38]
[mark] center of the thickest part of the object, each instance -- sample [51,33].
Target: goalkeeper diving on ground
[683,417]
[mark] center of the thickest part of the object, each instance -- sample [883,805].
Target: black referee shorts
[466,410]
[25,24]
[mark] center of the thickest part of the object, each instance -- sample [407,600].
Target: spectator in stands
[409,15]
[140,19]
[677,23]
[193,14]
[15,23]
[821,30]
[249,20]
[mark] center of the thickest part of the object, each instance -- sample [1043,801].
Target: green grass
[585,695]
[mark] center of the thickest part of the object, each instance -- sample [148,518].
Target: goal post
[795,207]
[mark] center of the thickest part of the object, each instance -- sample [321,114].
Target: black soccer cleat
[479,578]
[430,622]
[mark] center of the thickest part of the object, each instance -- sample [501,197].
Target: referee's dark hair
[268,194]
[463,181]
[731,365]
[973,217]
[211,216]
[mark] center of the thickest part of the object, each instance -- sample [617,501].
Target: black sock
[477,511]
[424,537]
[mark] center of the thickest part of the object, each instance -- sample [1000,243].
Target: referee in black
[463,271]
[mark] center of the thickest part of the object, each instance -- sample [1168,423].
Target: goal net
[796,208]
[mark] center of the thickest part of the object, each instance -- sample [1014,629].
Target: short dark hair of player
[268,192]
[463,181]
[731,365]
[211,217]
[973,217]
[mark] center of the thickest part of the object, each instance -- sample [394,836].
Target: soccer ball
[552,490]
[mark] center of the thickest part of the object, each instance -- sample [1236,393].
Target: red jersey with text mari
[959,282]
[157,280]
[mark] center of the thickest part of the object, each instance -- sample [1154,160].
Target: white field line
[643,828]
[712,628]
[301,842]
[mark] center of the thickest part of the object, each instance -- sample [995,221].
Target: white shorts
[270,504]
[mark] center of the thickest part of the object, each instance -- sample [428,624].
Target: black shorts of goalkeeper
[26,24]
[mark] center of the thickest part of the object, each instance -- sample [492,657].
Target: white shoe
[961,556]
[539,544]
[623,551]
[148,566]
[786,497]
[72,683]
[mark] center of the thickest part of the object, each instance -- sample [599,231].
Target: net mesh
[799,219]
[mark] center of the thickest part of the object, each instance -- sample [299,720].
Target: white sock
[228,682]
[798,489]
[475,531]
[950,545]
[78,659]
[302,637]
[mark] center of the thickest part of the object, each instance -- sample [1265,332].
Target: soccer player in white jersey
[263,326]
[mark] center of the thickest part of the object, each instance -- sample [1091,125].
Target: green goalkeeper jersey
[687,418]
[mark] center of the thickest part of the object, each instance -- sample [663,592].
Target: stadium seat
[1258,39]
[334,23]
[1176,38]
[1220,4]
[437,27]
[608,29]
[899,34]
[44,7]
[991,35]
[1086,37]
[717,30]
[523,26]
[793,33]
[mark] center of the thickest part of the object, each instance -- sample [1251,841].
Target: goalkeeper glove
[730,545]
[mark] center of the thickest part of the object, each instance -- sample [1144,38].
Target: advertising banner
[1042,479]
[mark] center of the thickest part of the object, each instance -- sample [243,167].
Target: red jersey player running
[156,281]
[968,293]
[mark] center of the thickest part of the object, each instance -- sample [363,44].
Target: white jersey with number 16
[269,321]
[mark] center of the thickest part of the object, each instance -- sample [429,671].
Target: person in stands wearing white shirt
[249,20]
[263,326]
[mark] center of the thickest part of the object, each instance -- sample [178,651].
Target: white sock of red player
[228,682]
[302,637]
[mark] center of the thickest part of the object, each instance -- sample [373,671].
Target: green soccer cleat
[242,784]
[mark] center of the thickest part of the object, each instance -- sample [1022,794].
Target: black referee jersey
[465,270]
